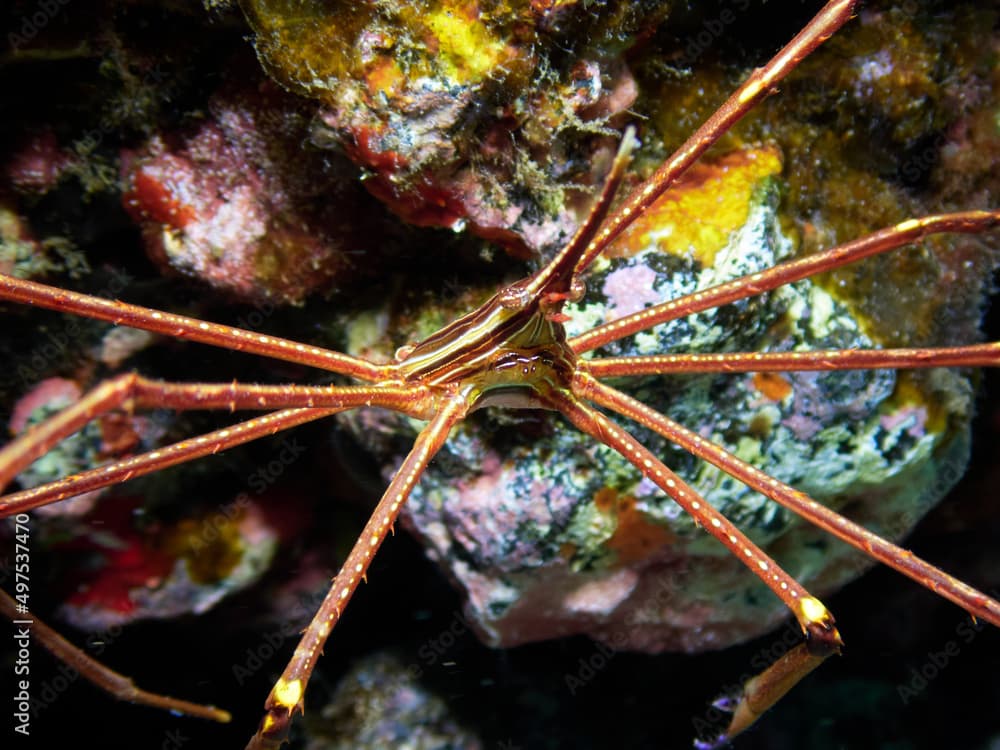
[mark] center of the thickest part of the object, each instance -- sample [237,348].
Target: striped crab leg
[182,327]
[286,698]
[822,638]
[891,238]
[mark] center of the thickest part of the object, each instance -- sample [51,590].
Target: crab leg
[134,391]
[974,602]
[286,697]
[171,455]
[809,611]
[762,691]
[971,222]
[558,275]
[761,82]
[118,685]
[822,638]
[22,451]
[973,355]
[181,327]
[131,388]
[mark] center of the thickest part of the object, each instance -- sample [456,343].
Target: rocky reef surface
[357,176]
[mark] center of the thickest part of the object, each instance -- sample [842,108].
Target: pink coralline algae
[53,393]
[629,290]
[434,185]
[235,204]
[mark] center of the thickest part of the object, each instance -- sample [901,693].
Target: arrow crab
[513,351]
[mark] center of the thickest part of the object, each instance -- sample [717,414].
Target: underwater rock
[164,570]
[39,165]
[235,204]
[380,704]
[549,534]
[472,117]
[23,255]
[492,116]
[19,250]
[120,343]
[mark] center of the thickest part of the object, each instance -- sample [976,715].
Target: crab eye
[505,361]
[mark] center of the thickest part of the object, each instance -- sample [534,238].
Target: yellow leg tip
[813,612]
[288,694]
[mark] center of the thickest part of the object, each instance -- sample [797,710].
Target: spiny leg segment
[974,602]
[890,238]
[190,329]
[131,391]
[93,671]
[972,355]
[758,85]
[318,401]
[822,638]
[287,696]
